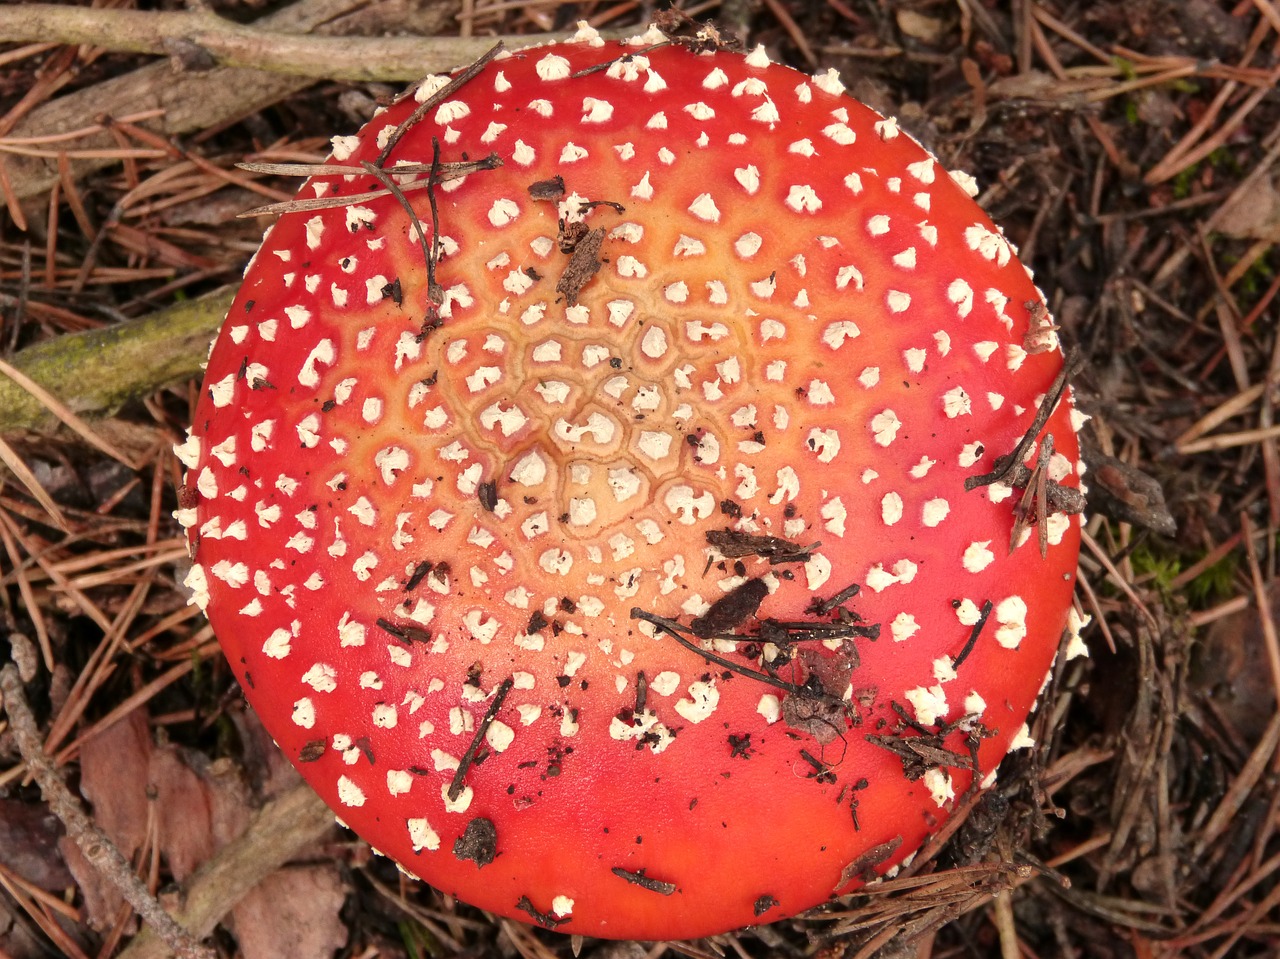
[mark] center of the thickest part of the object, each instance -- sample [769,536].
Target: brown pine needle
[1269,634]
[1116,577]
[20,470]
[1226,441]
[28,596]
[446,171]
[39,908]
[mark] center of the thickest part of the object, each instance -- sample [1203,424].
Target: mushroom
[602,527]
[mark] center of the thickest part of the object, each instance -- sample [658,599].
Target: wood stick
[198,39]
[96,371]
[185,102]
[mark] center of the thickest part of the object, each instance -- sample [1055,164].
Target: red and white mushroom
[590,525]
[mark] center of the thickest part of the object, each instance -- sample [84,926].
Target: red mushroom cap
[544,572]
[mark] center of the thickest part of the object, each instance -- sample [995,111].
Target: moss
[1163,568]
[98,371]
[418,941]
[1213,586]
[1128,71]
[1257,277]
[1183,181]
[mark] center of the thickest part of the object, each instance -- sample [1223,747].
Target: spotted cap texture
[743,360]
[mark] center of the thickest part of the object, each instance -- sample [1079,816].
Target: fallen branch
[97,371]
[183,103]
[198,39]
[97,848]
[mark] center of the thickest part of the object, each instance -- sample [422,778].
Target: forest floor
[1128,147]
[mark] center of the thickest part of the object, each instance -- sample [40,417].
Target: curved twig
[96,846]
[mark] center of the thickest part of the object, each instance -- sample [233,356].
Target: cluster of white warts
[656,448]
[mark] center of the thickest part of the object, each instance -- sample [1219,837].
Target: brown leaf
[113,776]
[182,812]
[197,806]
[1252,214]
[28,831]
[294,913]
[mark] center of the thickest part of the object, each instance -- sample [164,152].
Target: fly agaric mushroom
[590,525]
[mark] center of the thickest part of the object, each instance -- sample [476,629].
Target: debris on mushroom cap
[595,536]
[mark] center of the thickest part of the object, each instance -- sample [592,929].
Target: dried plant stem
[96,371]
[1006,927]
[97,848]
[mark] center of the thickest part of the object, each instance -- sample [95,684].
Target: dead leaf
[113,769]
[28,831]
[294,912]
[1253,214]
[917,26]
[198,806]
[182,804]
[1229,666]
[113,766]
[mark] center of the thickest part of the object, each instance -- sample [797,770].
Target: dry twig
[198,39]
[187,102]
[97,848]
